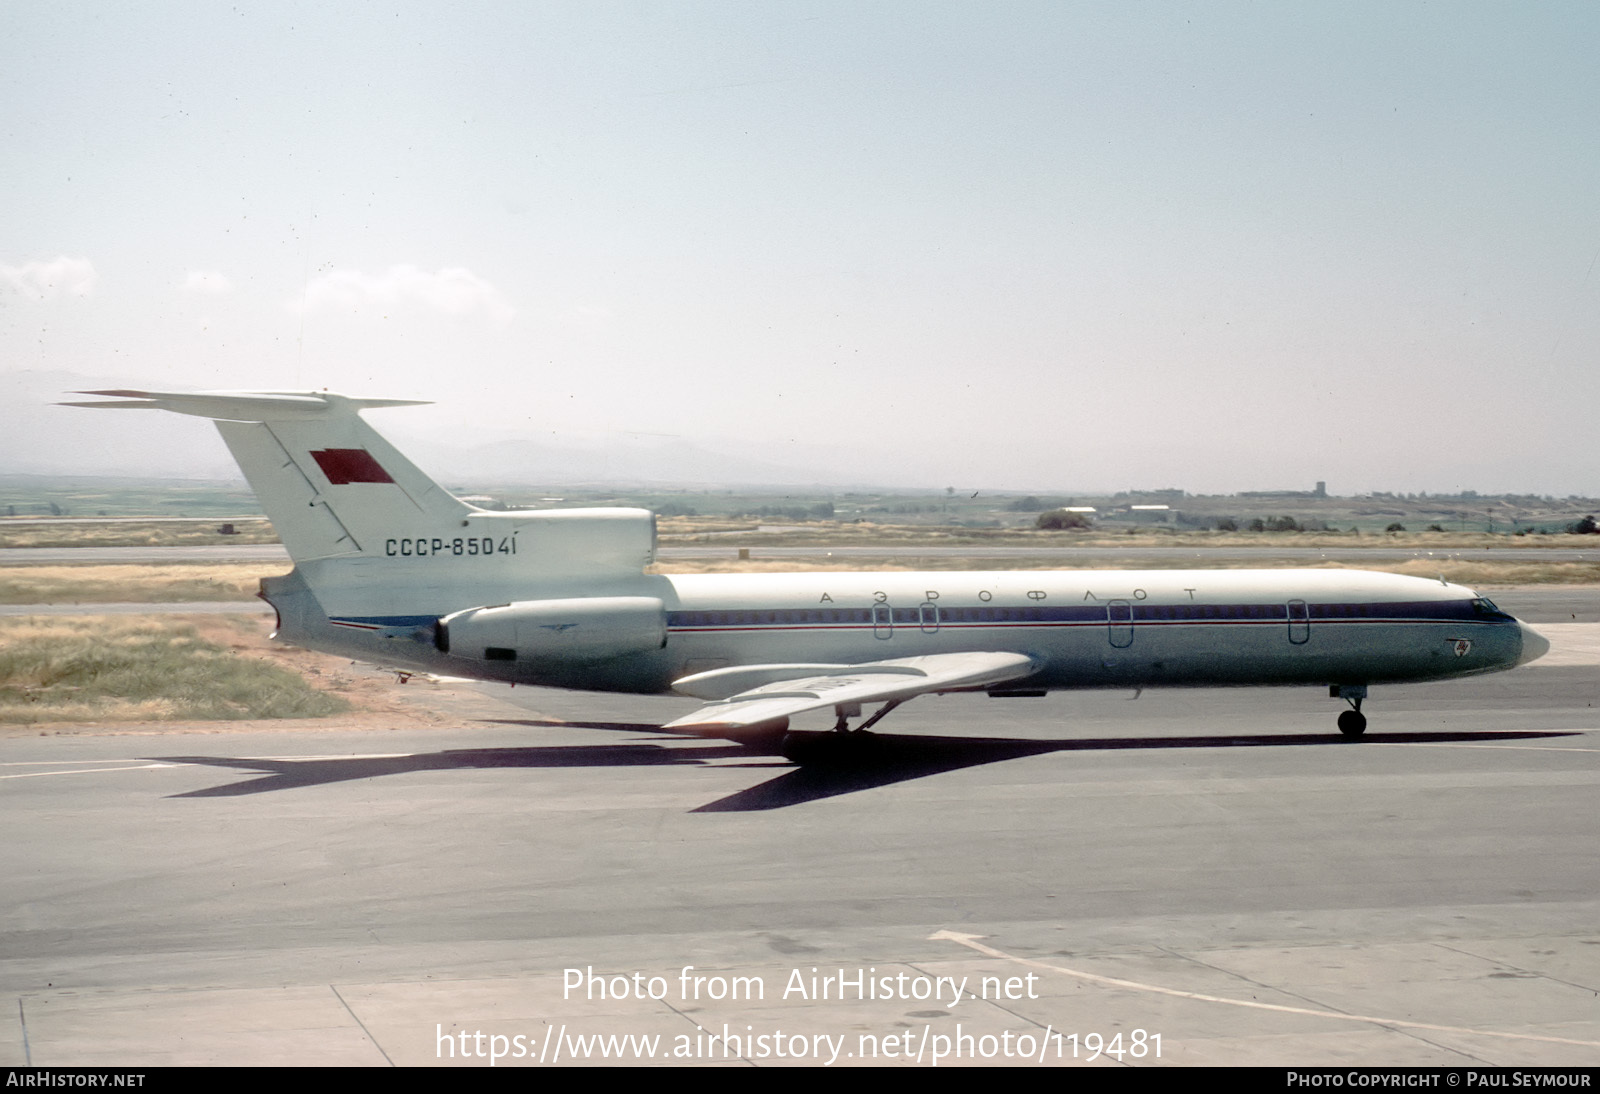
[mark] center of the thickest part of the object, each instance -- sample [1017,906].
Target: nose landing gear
[1352,723]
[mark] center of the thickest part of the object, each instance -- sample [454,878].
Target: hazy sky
[1212,245]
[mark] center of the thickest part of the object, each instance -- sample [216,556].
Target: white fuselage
[1085,629]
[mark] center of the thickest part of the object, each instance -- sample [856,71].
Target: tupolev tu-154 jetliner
[390,568]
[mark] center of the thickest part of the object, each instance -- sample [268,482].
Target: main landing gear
[842,742]
[1352,723]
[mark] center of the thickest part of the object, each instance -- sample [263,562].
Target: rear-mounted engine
[572,630]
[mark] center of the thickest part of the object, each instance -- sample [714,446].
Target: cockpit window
[1484,606]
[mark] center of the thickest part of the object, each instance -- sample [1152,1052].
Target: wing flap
[724,683]
[838,685]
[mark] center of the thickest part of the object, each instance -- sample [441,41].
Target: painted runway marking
[336,756]
[62,763]
[148,765]
[1519,748]
[971,942]
[92,770]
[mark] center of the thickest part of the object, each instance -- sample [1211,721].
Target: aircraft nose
[1534,644]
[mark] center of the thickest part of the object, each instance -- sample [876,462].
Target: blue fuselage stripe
[979,617]
[1120,613]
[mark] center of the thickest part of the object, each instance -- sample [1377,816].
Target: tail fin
[373,537]
[331,485]
[381,552]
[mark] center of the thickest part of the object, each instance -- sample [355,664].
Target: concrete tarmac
[1213,876]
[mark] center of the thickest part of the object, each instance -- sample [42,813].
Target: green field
[96,496]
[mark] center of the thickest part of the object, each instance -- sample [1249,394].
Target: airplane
[391,568]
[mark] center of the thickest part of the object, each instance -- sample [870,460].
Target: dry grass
[115,669]
[141,584]
[824,534]
[153,533]
[1475,572]
[1465,572]
[807,566]
[681,528]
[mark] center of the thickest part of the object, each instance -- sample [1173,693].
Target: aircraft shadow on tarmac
[834,768]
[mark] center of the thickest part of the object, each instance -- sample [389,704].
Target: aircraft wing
[784,690]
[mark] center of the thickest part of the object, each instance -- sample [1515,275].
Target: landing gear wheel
[828,748]
[766,739]
[804,748]
[1352,723]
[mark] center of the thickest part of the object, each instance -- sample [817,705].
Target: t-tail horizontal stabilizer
[377,544]
[331,485]
[241,406]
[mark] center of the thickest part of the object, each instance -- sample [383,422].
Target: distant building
[1153,514]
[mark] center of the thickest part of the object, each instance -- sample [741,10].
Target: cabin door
[1119,623]
[1299,622]
[882,621]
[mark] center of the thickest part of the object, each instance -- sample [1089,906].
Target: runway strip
[971,941]
[1216,869]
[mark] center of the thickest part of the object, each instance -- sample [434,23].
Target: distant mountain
[38,437]
[577,461]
